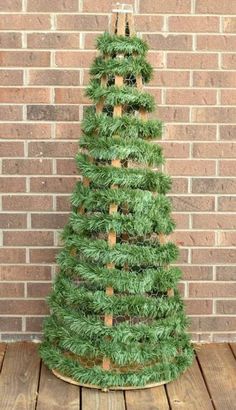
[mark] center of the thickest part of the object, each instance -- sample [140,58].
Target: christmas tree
[117,319]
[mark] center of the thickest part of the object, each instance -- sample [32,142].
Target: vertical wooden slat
[117,112]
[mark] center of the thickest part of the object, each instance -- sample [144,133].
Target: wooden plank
[93,399]
[19,377]
[54,394]
[189,391]
[219,370]
[147,399]
[233,347]
[2,353]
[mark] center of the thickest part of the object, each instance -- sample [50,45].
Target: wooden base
[105,389]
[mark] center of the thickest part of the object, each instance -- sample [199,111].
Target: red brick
[52,5]
[27,166]
[214,79]
[227,132]
[54,77]
[212,290]
[24,95]
[213,185]
[10,324]
[192,60]
[53,40]
[214,221]
[179,186]
[227,168]
[11,149]
[53,149]
[12,255]
[190,132]
[183,256]
[191,97]
[25,131]
[213,323]
[80,22]
[227,238]
[226,203]
[25,272]
[216,7]
[13,221]
[43,255]
[11,290]
[103,6]
[63,203]
[10,113]
[156,59]
[49,221]
[228,97]
[216,43]
[214,114]
[23,307]
[156,93]
[181,220]
[12,184]
[194,24]
[226,273]
[71,96]
[66,167]
[25,58]
[52,184]
[229,61]
[214,256]
[90,41]
[166,6]
[190,167]
[53,112]
[10,40]
[11,77]
[192,238]
[68,131]
[74,58]
[198,307]
[173,114]
[10,5]
[170,78]
[214,150]
[226,307]
[170,42]
[146,23]
[34,324]
[193,203]
[229,24]
[27,203]
[38,290]
[197,272]
[24,22]
[175,149]
[27,238]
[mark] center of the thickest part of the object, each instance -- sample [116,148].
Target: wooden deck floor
[25,383]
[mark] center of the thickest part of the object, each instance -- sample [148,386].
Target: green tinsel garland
[113,44]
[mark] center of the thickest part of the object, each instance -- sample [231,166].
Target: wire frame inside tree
[117,320]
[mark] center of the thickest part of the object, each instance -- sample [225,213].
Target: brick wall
[47,47]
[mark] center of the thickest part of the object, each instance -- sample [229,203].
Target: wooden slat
[19,377]
[147,399]
[233,347]
[2,353]
[55,394]
[219,369]
[96,400]
[189,391]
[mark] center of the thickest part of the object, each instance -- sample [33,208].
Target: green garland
[147,342]
[126,126]
[125,95]
[126,67]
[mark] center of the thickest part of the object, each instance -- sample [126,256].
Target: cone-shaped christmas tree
[117,320]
